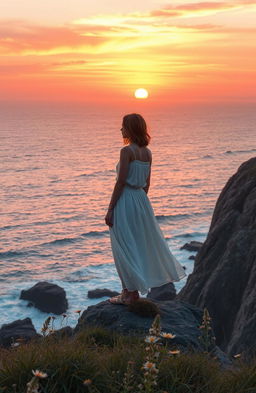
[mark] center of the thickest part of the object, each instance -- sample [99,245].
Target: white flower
[87,382]
[174,352]
[13,345]
[151,339]
[149,366]
[167,335]
[39,374]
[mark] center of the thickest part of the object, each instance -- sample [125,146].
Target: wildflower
[167,335]
[238,355]
[87,382]
[151,339]
[174,352]
[149,366]
[45,327]
[13,345]
[39,374]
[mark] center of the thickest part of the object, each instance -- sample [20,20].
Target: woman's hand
[109,218]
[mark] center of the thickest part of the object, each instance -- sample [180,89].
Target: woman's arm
[120,183]
[146,188]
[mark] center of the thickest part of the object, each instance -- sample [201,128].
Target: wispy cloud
[166,46]
[20,37]
[200,8]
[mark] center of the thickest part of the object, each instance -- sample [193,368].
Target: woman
[142,257]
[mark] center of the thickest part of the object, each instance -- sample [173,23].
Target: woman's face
[124,132]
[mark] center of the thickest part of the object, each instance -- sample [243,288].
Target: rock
[178,318]
[96,293]
[66,331]
[192,257]
[192,246]
[224,360]
[165,292]
[46,297]
[22,329]
[224,275]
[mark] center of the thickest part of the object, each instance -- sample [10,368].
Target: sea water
[57,175]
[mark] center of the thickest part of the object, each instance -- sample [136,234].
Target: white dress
[142,257]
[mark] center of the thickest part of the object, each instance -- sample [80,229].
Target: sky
[102,51]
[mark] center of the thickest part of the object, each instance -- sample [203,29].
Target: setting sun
[141,93]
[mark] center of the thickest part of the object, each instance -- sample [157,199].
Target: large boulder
[21,330]
[178,318]
[224,275]
[192,246]
[46,297]
[101,292]
[165,292]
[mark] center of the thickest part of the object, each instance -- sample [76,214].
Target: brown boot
[132,296]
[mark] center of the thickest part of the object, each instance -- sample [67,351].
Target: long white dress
[142,257]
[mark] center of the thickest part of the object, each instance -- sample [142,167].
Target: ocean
[57,175]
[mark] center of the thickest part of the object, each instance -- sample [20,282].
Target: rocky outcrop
[224,275]
[165,292]
[192,246]
[98,292]
[176,317]
[16,332]
[46,297]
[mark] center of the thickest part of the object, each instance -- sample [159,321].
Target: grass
[96,360]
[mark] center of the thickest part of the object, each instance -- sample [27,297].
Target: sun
[141,93]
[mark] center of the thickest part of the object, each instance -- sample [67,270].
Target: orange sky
[81,51]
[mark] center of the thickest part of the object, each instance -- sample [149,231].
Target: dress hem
[144,291]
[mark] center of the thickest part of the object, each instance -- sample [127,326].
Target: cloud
[24,38]
[102,34]
[197,9]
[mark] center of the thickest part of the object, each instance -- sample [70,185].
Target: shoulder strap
[132,148]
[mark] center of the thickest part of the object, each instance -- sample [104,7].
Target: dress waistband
[134,187]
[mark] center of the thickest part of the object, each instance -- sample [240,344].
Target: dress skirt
[142,257]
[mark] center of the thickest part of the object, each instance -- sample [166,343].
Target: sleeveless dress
[142,257]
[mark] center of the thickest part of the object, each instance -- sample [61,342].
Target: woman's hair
[136,128]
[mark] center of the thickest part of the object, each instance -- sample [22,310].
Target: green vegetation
[96,360]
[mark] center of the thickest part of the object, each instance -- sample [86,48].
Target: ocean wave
[91,174]
[189,235]
[6,227]
[239,151]
[95,234]
[176,217]
[67,240]
[64,240]
[27,169]
[13,254]
[79,279]
[56,242]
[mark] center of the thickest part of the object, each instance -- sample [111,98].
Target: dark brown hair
[136,129]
